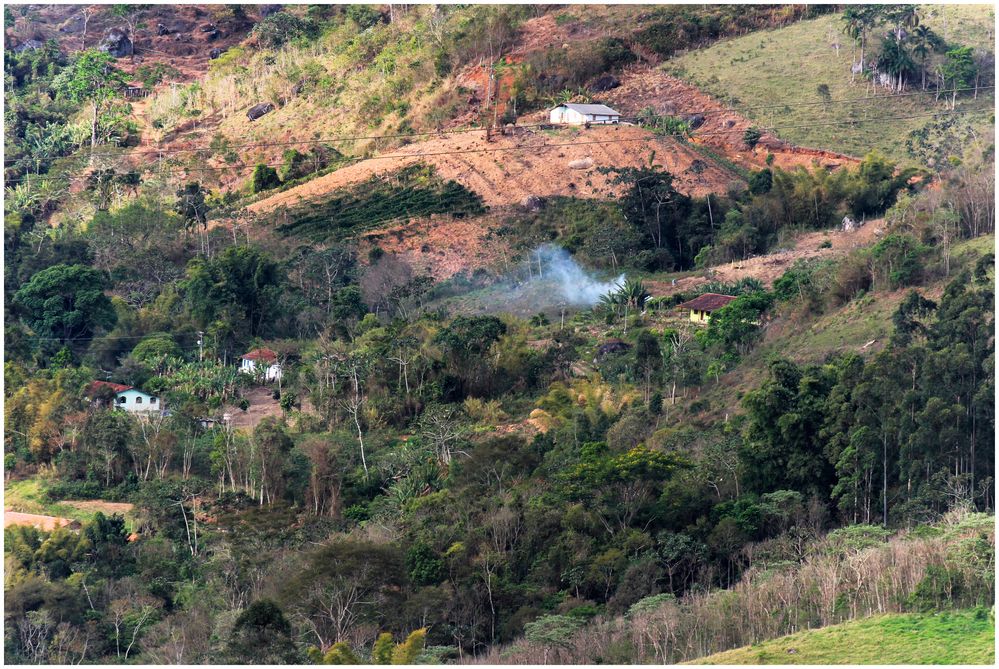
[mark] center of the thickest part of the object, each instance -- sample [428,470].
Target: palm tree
[922,47]
[895,61]
[859,19]
[904,16]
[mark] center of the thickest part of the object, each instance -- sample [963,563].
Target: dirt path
[768,268]
[47,523]
[95,505]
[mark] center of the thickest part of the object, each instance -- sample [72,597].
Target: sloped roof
[263,354]
[707,302]
[116,387]
[602,110]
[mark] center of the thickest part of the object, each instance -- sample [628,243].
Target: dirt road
[47,523]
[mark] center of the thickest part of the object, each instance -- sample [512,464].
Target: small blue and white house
[127,398]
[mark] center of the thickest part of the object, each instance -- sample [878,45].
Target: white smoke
[566,281]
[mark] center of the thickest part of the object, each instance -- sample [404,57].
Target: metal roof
[601,110]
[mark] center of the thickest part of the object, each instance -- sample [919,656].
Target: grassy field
[28,496]
[757,70]
[957,637]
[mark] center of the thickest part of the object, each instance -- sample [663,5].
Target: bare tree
[87,12]
[442,429]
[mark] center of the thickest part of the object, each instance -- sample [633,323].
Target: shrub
[282,27]
[752,136]
[264,178]
[365,16]
[940,588]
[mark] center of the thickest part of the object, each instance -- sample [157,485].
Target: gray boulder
[256,111]
[695,121]
[605,83]
[116,43]
[28,45]
[532,203]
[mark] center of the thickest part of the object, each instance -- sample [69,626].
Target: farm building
[262,361]
[702,306]
[127,398]
[574,114]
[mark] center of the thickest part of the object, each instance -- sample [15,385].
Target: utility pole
[201,346]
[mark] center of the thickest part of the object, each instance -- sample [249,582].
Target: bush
[264,177]
[365,16]
[941,588]
[277,29]
[752,136]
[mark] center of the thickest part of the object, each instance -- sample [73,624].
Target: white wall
[566,116]
[132,404]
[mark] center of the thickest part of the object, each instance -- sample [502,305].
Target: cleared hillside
[959,637]
[753,71]
[532,162]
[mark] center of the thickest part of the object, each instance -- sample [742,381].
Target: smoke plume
[572,284]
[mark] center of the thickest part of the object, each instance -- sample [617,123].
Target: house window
[122,399]
[138,400]
[152,400]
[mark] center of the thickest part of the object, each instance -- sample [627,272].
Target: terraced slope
[534,162]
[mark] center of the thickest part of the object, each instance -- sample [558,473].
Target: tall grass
[839,580]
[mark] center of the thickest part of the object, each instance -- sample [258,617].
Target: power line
[152,151]
[535,147]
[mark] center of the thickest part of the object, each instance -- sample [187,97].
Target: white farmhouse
[262,361]
[128,398]
[573,114]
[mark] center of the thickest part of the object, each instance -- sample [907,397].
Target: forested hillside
[323,345]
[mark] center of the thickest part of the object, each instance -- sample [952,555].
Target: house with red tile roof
[702,306]
[127,398]
[261,361]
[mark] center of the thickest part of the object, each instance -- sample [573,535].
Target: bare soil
[440,246]
[262,405]
[107,508]
[722,129]
[509,169]
[47,523]
[768,268]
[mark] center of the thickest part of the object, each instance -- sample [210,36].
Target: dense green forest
[439,483]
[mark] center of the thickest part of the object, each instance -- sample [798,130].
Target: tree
[129,13]
[554,631]
[922,38]
[735,326]
[262,634]
[752,136]
[94,79]
[959,69]
[464,342]
[264,178]
[108,434]
[66,303]
[272,447]
[652,204]
[894,61]
[648,359]
[242,283]
[191,205]
[858,20]
[440,427]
